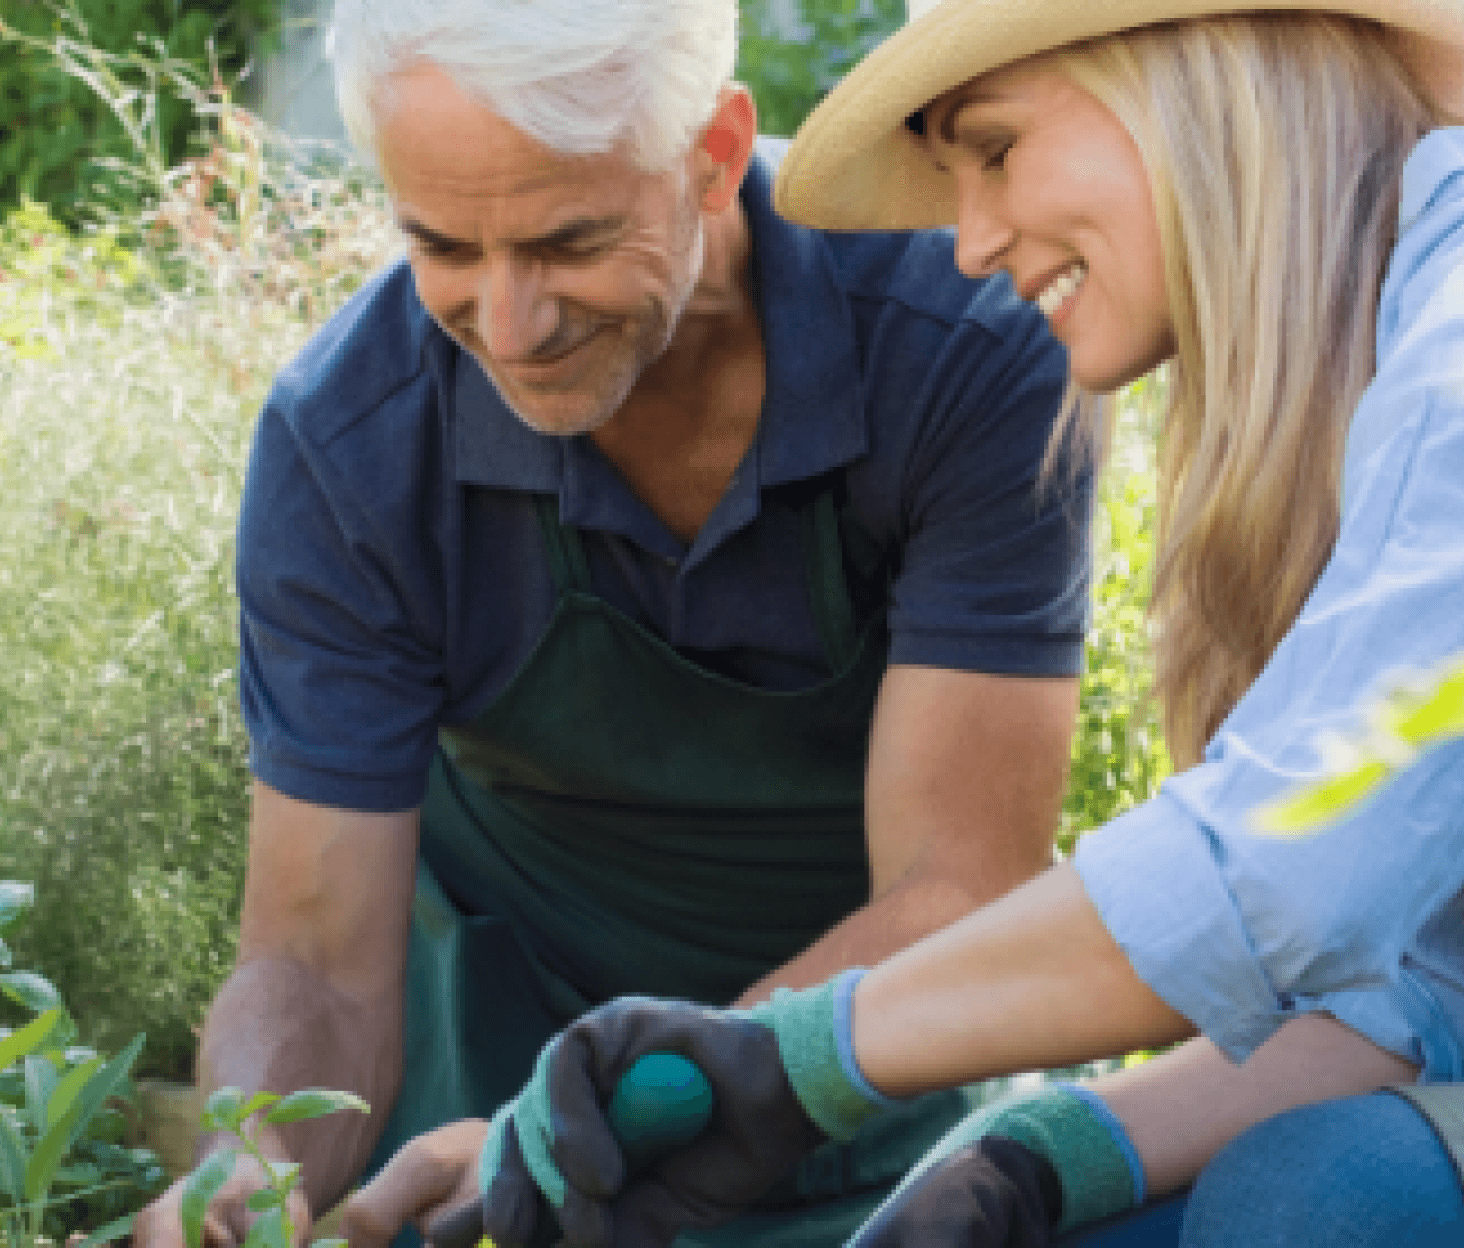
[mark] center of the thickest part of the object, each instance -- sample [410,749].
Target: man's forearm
[277,1027]
[878,929]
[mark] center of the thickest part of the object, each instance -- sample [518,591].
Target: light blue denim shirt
[1238,931]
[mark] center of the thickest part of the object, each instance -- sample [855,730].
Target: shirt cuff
[1152,876]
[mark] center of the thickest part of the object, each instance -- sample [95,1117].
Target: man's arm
[963,788]
[315,997]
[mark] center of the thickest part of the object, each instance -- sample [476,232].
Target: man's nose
[516,312]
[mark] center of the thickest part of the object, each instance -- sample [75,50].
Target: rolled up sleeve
[1238,930]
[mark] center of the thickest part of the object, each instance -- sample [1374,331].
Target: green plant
[232,1110]
[59,136]
[792,52]
[63,1169]
[133,360]
[1119,756]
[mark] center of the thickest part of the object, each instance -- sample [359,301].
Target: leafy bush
[131,379]
[63,1167]
[56,131]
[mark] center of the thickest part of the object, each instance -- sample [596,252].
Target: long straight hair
[1275,147]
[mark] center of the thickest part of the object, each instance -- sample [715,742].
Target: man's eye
[579,253]
[440,248]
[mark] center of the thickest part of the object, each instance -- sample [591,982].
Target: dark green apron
[623,820]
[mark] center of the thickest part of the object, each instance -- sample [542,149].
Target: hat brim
[854,164]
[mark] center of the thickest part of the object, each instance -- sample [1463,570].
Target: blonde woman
[1272,200]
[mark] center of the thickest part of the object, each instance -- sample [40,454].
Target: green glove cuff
[808,1025]
[1079,1136]
[532,1115]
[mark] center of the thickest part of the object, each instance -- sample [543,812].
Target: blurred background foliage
[57,132]
[60,137]
[137,339]
[792,52]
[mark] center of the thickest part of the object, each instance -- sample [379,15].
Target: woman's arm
[1181,1108]
[1031,980]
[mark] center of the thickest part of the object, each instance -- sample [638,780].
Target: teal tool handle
[660,1104]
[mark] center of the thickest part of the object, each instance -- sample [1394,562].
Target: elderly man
[639,593]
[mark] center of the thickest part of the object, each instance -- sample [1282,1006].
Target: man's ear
[725,146]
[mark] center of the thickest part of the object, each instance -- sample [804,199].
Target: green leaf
[255,1103]
[334,1242]
[40,1083]
[264,1199]
[29,1038]
[116,1229]
[268,1231]
[314,1103]
[15,896]
[222,1109]
[41,1169]
[69,1087]
[59,1138]
[13,1159]
[284,1174]
[35,992]
[200,1188]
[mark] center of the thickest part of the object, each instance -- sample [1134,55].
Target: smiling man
[638,594]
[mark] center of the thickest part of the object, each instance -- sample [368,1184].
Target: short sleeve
[995,569]
[341,678]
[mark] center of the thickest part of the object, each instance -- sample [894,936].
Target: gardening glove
[783,1081]
[1015,1174]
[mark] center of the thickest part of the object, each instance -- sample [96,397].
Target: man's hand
[428,1179]
[226,1222]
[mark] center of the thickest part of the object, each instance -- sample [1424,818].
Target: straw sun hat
[855,165]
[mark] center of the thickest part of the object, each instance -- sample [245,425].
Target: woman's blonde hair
[1275,146]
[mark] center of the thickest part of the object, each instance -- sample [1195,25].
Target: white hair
[582,77]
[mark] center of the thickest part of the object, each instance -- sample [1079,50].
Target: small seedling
[231,1109]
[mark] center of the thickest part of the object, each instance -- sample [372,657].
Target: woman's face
[1052,189]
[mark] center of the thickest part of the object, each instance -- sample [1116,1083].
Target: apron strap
[833,610]
[567,562]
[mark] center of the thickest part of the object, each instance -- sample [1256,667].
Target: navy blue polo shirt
[392,573]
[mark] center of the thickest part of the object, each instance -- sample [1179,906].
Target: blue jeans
[1363,1172]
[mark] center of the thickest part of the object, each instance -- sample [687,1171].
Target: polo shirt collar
[812,417]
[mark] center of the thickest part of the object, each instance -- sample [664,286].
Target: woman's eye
[995,157]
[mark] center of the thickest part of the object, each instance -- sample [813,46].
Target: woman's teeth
[1061,289]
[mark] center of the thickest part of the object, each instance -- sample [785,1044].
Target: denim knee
[1362,1172]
